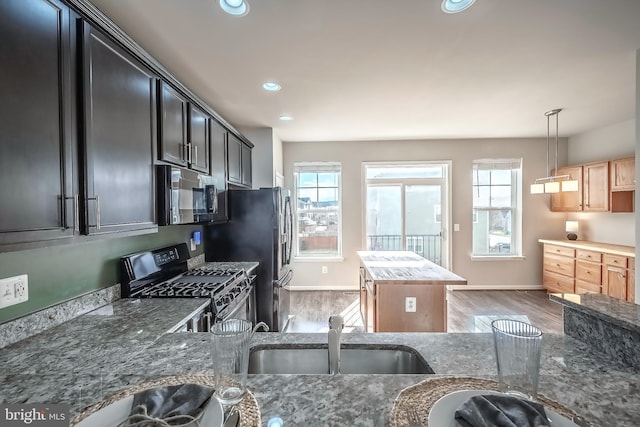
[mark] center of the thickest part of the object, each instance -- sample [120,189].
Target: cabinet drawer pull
[76,212]
[195,154]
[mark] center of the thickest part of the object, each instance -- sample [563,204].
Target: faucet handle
[336,322]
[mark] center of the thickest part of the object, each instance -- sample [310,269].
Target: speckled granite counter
[610,325]
[85,360]
[406,266]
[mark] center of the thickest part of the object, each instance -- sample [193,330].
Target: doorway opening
[407,208]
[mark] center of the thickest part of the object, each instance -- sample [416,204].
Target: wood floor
[469,311]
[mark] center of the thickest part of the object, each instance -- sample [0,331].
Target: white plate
[443,411]
[114,414]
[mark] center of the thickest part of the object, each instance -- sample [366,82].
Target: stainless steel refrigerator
[259,229]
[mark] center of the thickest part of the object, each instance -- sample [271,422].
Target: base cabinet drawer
[554,282]
[589,272]
[558,250]
[583,287]
[560,265]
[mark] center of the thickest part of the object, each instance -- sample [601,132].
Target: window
[497,213]
[318,220]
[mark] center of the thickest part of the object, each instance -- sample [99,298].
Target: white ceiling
[392,69]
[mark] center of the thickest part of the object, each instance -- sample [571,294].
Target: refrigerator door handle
[284,283]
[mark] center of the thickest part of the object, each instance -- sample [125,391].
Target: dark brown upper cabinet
[184,131]
[37,122]
[238,162]
[119,137]
[219,167]
[173,126]
[198,139]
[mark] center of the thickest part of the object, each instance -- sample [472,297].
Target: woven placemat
[248,406]
[421,397]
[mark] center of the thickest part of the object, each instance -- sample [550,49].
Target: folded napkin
[168,406]
[500,410]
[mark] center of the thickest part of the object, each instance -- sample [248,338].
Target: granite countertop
[616,311]
[609,248]
[86,360]
[406,267]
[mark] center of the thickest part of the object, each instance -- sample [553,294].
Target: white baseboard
[496,288]
[323,288]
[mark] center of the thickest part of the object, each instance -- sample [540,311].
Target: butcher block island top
[405,266]
[401,291]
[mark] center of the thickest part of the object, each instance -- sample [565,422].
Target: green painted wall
[63,272]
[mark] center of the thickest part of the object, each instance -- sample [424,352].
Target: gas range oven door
[242,307]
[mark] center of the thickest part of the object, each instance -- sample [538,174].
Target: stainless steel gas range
[163,273]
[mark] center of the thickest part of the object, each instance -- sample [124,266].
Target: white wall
[538,221]
[607,143]
[266,155]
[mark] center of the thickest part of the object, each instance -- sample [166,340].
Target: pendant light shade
[552,187]
[553,183]
[537,188]
[569,185]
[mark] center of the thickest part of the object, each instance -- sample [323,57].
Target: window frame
[317,167]
[515,207]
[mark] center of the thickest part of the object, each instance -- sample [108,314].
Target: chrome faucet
[336,323]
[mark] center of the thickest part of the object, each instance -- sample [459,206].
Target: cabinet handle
[185,152]
[76,212]
[195,150]
[97,210]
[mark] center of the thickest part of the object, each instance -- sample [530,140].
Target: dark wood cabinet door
[234,159]
[36,121]
[119,95]
[219,168]
[199,139]
[246,165]
[173,126]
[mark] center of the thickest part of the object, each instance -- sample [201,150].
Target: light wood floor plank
[469,311]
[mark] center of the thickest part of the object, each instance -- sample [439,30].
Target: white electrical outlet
[410,304]
[325,270]
[14,290]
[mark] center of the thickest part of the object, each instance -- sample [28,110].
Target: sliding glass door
[406,209]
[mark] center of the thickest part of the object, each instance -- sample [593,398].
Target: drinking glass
[518,347]
[230,340]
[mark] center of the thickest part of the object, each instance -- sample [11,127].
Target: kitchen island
[400,291]
[86,360]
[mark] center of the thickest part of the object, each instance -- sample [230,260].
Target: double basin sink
[354,359]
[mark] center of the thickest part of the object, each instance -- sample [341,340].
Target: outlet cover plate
[14,290]
[410,304]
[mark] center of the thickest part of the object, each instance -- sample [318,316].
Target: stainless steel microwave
[185,196]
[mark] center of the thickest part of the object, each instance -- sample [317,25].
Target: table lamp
[572,228]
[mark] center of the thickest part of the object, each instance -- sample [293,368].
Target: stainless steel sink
[354,359]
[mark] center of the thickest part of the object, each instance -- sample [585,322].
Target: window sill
[319,259]
[499,258]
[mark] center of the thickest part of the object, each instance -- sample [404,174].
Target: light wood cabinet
[568,269]
[588,271]
[623,184]
[602,187]
[595,182]
[623,174]
[558,273]
[631,281]
[570,201]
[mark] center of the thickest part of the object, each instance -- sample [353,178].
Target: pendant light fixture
[553,183]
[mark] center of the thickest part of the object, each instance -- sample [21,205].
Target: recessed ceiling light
[455,6]
[235,7]
[286,117]
[271,86]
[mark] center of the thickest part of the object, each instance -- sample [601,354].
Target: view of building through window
[496,207]
[317,195]
[404,208]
